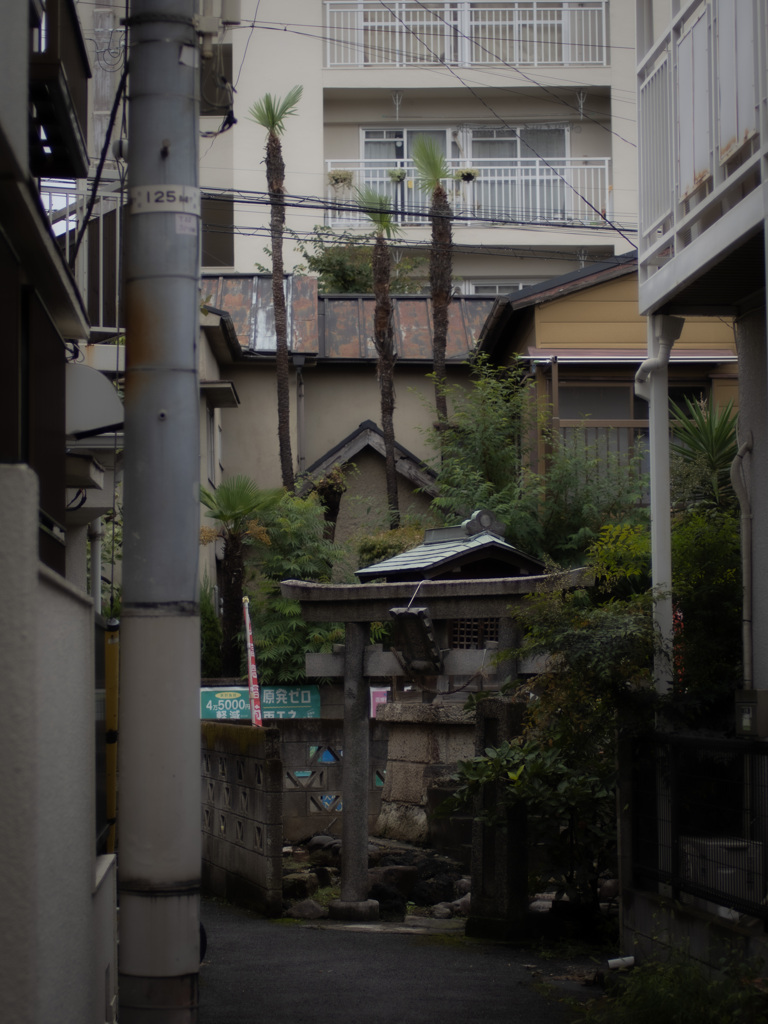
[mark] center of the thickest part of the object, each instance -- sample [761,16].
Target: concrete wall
[653,925]
[55,902]
[242,815]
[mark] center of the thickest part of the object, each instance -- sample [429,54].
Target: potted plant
[340,179]
[467,174]
[396,174]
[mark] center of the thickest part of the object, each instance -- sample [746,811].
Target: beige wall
[606,317]
[50,966]
[337,400]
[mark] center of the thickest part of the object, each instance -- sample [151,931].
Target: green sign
[290,701]
[232,704]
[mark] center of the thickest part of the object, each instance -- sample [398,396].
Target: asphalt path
[275,972]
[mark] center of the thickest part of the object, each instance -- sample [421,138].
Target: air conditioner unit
[729,868]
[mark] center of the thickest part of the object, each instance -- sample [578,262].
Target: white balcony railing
[403,33]
[97,264]
[524,191]
[702,119]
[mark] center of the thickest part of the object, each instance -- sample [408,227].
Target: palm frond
[237,500]
[378,210]
[704,431]
[430,163]
[271,111]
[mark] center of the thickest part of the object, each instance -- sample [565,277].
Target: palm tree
[432,169]
[705,439]
[270,112]
[236,505]
[377,209]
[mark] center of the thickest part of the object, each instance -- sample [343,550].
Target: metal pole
[661,526]
[159,805]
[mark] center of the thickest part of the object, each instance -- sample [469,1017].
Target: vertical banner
[253,679]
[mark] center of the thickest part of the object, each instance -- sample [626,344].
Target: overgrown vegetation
[343,264]
[680,991]
[210,633]
[486,461]
[599,641]
[293,546]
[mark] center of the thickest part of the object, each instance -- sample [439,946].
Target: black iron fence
[699,821]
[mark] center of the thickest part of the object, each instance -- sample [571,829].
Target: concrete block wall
[312,752]
[242,792]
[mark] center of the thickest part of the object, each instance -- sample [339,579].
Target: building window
[218,231]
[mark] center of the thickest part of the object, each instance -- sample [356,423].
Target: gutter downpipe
[739,483]
[652,385]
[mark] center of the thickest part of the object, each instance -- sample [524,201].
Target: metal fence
[406,33]
[699,814]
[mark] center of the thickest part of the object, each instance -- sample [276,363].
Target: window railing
[405,33]
[524,190]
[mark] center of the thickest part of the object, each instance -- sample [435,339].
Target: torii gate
[358,605]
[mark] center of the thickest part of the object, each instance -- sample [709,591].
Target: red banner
[253,678]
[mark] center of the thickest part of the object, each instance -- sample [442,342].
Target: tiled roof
[451,547]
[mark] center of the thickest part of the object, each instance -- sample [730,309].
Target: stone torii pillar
[354,904]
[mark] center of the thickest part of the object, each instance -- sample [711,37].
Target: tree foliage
[343,264]
[708,596]
[293,546]
[486,453]
[238,506]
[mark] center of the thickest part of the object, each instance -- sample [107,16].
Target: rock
[307,910]
[320,842]
[429,891]
[299,885]
[397,876]
[326,877]
[392,904]
[462,906]
[609,890]
[463,886]
[442,911]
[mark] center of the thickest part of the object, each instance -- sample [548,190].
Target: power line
[523,252]
[298,202]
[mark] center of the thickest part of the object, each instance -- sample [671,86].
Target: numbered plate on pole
[165,199]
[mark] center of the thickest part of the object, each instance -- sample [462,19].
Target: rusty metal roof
[340,327]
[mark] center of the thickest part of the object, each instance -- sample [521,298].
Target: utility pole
[159,749]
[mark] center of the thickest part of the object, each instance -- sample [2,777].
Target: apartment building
[531,103]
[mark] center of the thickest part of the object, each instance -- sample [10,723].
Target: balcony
[58,90]
[96,264]
[466,34]
[702,102]
[525,190]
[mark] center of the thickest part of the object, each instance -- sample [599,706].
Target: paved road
[265,972]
